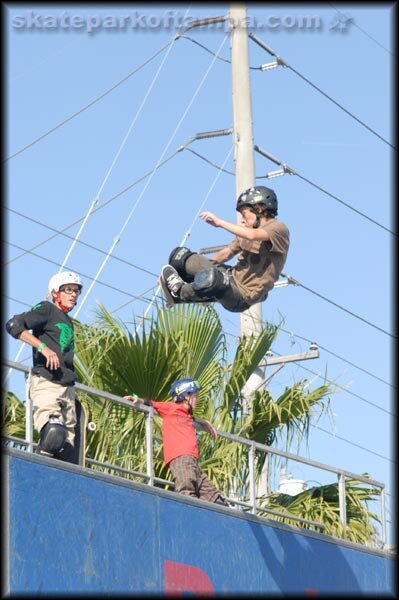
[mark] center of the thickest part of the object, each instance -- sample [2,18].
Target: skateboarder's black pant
[230,298]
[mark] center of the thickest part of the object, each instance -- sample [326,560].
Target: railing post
[28,414]
[383,519]
[342,499]
[252,490]
[149,445]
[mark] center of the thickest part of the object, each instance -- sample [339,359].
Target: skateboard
[171,301]
[79,449]
[78,454]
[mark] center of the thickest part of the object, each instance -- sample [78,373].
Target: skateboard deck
[171,301]
[78,455]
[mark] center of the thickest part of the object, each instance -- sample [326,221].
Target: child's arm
[207,426]
[136,400]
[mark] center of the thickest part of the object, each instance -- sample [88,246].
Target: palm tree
[189,341]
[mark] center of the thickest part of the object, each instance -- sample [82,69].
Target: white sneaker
[172,280]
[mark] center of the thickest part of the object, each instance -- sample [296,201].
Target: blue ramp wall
[74,530]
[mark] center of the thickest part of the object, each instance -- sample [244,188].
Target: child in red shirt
[180,446]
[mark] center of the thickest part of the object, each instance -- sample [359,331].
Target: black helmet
[258,196]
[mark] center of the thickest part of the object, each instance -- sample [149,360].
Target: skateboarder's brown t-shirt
[260,262]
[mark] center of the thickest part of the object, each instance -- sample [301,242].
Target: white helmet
[64,278]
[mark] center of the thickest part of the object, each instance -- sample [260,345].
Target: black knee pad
[52,437]
[178,258]
[211,282]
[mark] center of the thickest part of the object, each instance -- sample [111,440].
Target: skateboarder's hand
[211,218]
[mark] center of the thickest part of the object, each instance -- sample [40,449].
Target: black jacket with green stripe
[53,327]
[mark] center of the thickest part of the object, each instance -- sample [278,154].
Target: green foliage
[14,417]
[188,341]
[321,504]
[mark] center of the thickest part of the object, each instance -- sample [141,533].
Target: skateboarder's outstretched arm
[242,231]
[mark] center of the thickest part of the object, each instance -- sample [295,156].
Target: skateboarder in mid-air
[261,244]
[53,377]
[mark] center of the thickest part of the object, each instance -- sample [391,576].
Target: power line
[281,61]
[291,279]
[323,377]
[346,390]
[335,303]
[296,282]
[142,298]
[70,237]
[226,60]
[100,207]
[342,107]
[53,262]
[96,198]
[286,169]
[188,232]
[362,30]
[18,301]
[116,241]
[345,204]
[345,309]
[209,161]
[91,103]
[291,171]
[340,357]
[130,128]
[155,275]
[352,443]
[300,365]
[132,300]
[103,205]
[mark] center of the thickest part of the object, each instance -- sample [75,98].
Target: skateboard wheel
[91,426]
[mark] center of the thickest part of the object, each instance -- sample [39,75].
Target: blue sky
[61,57]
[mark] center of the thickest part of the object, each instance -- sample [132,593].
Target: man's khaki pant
[53,400]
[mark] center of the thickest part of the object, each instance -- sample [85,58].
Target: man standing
[48,328]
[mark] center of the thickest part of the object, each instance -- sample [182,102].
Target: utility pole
[250,320]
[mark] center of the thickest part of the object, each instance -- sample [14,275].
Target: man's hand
[52,360]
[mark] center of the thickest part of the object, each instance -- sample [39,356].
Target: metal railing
[252,446]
